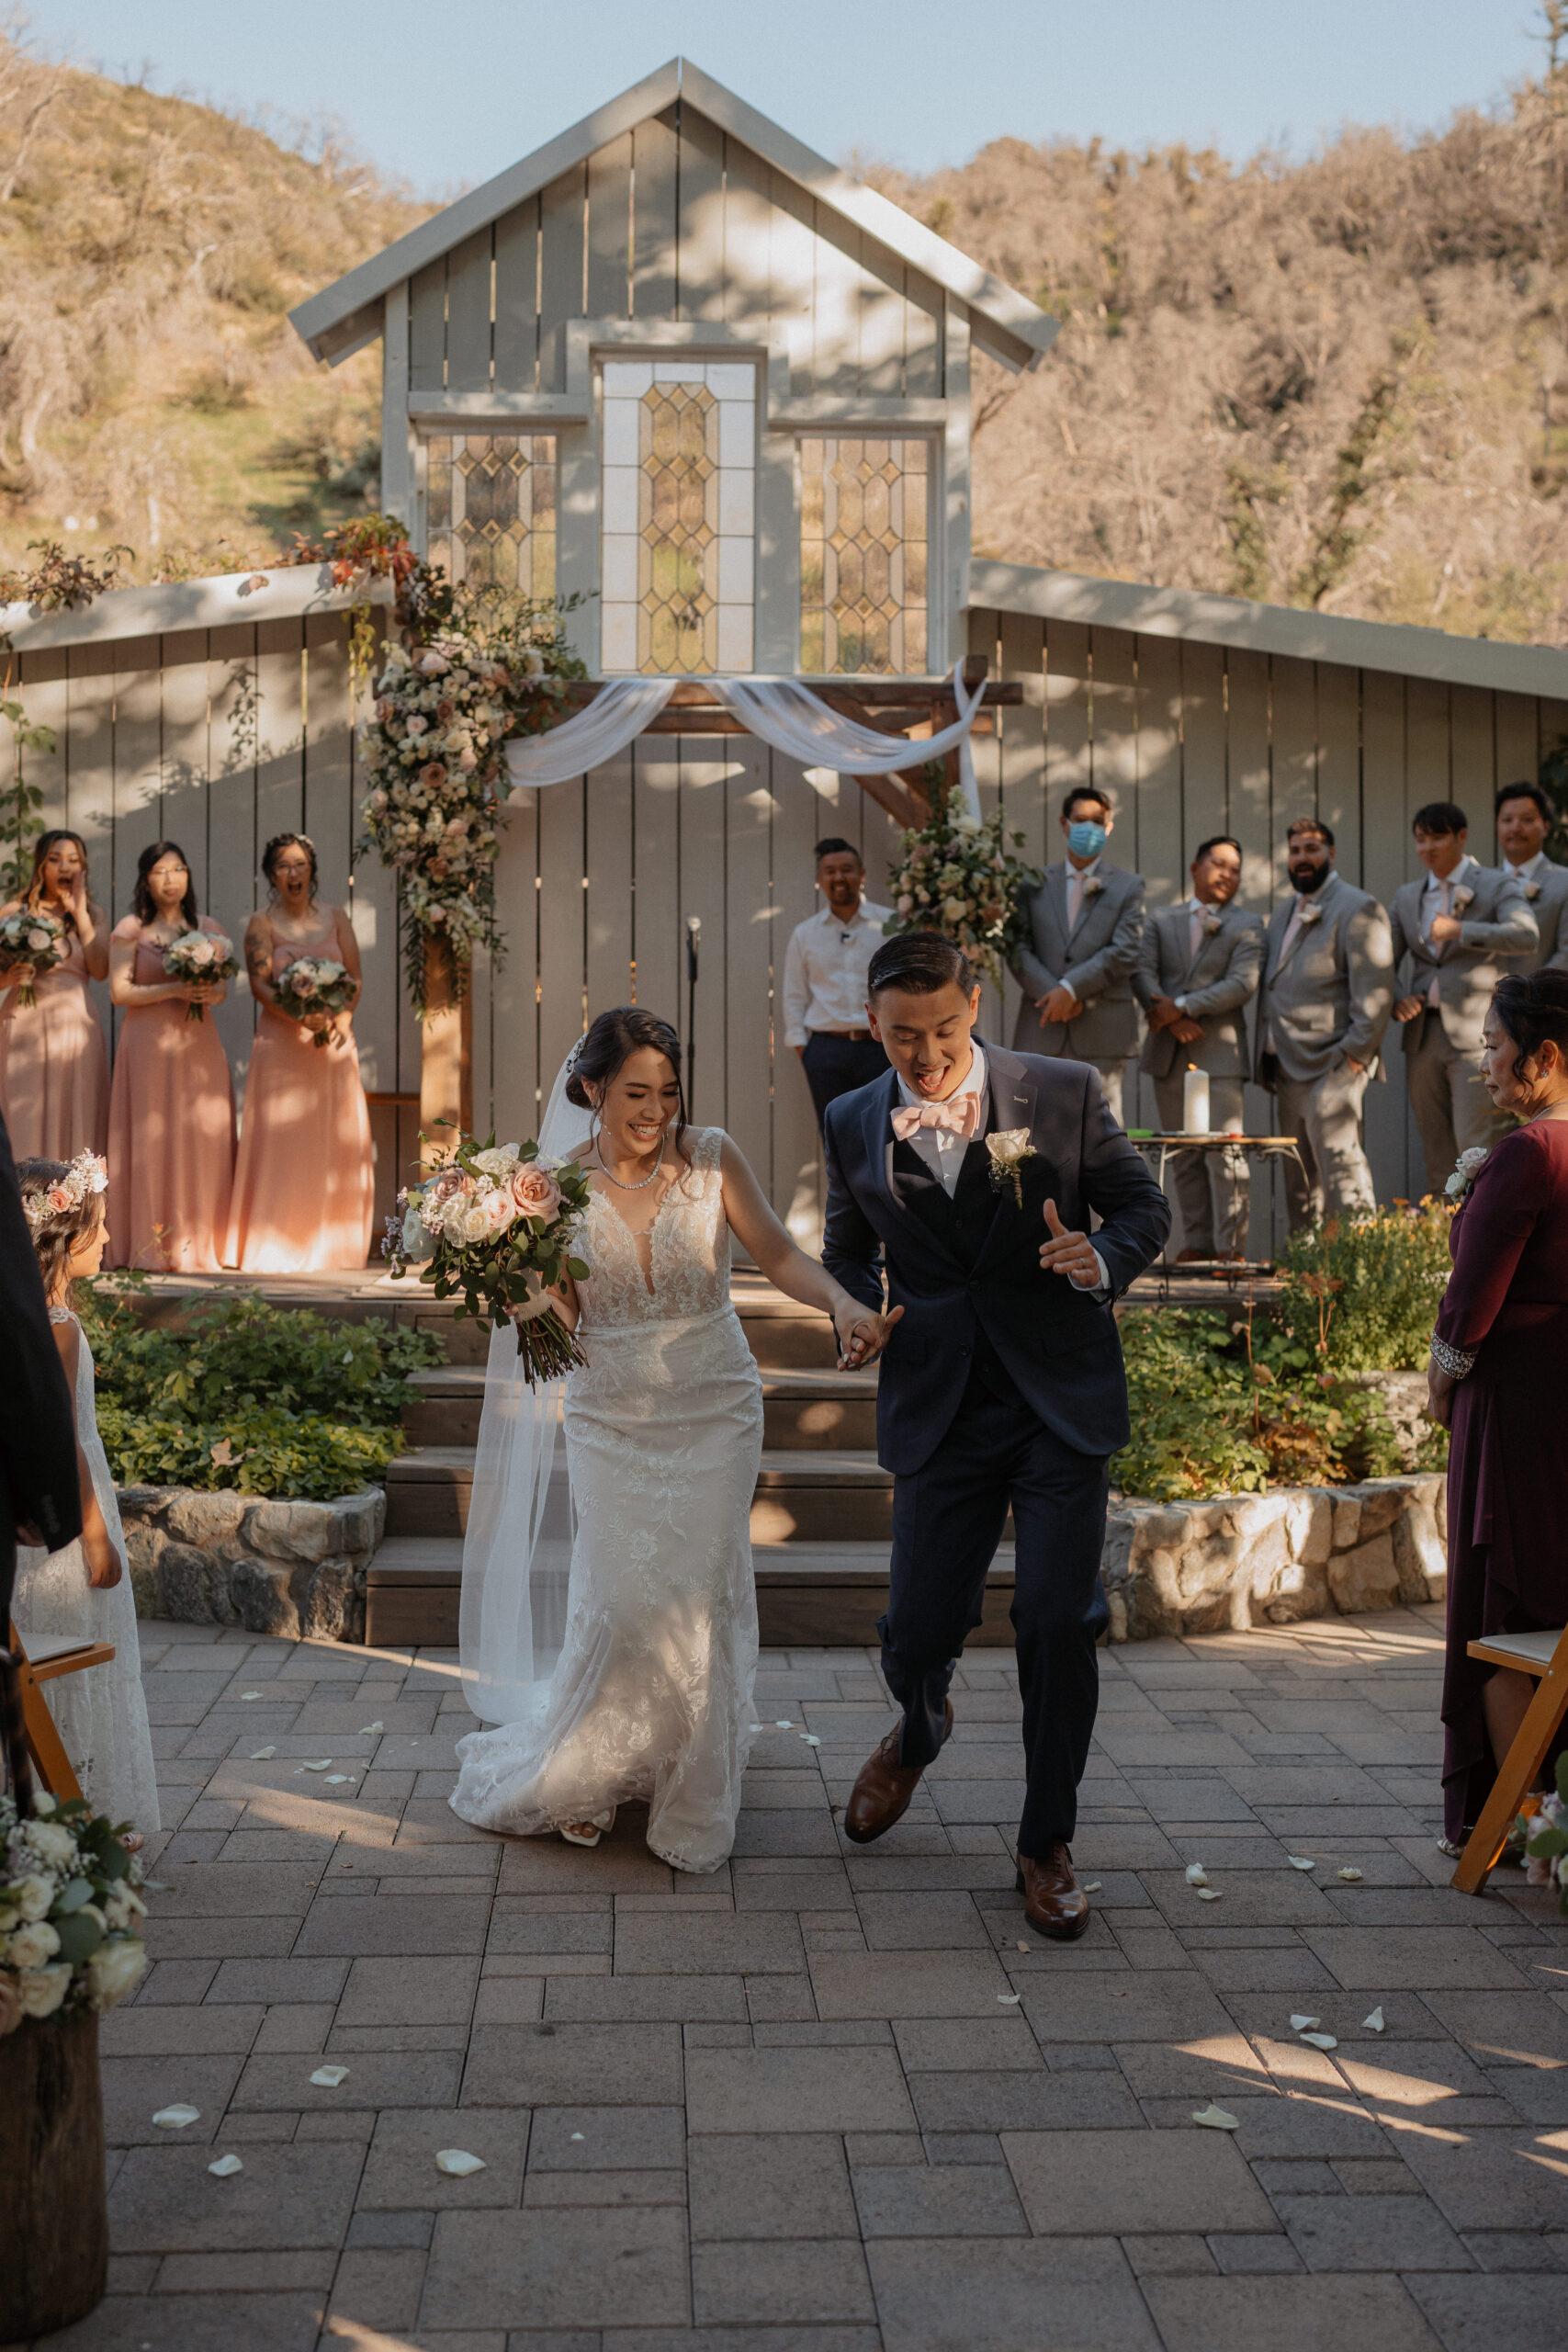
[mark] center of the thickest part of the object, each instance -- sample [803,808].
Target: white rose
[32,1896]
[52,1842]
[31,1946]
[954,910]
[416,1241]
[966,821]
[112,1969]
[123,1904]
[499,1160]
[41,1990]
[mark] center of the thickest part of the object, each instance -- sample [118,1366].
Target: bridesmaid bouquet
[202,956]
[30,936]
[497,1223]
[313,984]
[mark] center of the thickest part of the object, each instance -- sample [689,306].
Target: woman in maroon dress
[1499,1366]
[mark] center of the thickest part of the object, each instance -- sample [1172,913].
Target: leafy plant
[1362,1295]
[257,1450]
[20,823]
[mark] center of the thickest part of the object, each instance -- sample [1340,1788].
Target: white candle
[1195,1102]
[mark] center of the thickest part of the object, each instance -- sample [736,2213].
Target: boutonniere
[1212,924]
[1462,898]
[1465,1173]
[1532,890]
[1311,914]
[1008,1152]
[1094,885]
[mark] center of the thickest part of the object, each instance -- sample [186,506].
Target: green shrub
[1363,1297]
[260,1452]
[267,1400]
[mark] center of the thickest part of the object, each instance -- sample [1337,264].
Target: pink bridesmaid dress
[54,1067]
[303,1186]
[171,1129]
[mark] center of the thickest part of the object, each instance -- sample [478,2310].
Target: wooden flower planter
[54,2239]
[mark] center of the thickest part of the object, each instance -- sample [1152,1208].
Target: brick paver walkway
[832,2099]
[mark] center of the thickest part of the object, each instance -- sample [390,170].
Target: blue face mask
[1085,840]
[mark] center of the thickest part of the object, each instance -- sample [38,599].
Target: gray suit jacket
[1331,997]
[1497,933]
[1096,962]
[1547,898]
[1216,983]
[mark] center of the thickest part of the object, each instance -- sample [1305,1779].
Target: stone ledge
[292,1569]
[1234,1561]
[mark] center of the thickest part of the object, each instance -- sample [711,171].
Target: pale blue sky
[443,95]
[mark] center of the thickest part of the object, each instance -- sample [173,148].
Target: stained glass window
[864,519]
[679,479]
[491,508]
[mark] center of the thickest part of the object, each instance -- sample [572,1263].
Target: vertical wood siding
[1194,740]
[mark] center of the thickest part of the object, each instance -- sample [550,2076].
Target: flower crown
[87,1173]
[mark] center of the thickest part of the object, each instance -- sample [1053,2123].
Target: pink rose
[535,1193]
[497,1209]
[57,1200]
[432,774]
[442,1187]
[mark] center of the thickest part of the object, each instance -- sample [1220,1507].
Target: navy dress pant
[836,1065]
[947,1521]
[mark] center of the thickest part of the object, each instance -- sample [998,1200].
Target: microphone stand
[694,942]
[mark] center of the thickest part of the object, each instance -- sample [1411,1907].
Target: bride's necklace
[643,1182]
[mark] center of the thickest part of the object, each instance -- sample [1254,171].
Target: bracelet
[1458,1362]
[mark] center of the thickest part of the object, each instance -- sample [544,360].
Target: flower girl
[100,1713]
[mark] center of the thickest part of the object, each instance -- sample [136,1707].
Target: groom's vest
[963,1222]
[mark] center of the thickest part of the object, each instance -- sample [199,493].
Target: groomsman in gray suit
[1524,821]
[1086,920]
[1322,1010]
[1461,928]
[1200,966]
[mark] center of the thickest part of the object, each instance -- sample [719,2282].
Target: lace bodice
[689,1251]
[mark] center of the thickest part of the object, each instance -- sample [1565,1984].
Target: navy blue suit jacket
[1058,1345]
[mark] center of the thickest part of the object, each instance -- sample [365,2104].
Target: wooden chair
[1546,1657]
[44,1660]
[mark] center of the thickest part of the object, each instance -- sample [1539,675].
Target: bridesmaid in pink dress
[54,1067]
[303,1197]
[172,1111]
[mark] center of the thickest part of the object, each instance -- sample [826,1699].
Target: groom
[1002,1381]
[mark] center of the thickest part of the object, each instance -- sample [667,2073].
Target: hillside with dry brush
[1341,382]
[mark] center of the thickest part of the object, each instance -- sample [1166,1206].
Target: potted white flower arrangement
[70,1947]
[958,876]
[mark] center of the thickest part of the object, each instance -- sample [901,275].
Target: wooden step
[801,1410]
[802,1496]
[808,1595]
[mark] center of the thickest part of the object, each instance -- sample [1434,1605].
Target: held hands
[199,991]
[1445,927]
[1058,1004]
[1407,1008]
[1068,1253]
[863,1333]
[1186,1031]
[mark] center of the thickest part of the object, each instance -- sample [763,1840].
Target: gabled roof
[347,314]
[1207,619]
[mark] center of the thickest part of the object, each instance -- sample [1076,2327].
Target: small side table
[1158,1144]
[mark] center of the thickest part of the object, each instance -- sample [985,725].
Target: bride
[650,1692]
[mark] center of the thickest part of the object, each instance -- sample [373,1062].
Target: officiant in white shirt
[824,980]
[1524,822]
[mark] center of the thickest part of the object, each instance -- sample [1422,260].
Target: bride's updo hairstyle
[611,1041]
[1533,1009]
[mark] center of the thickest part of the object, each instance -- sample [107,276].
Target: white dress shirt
[825,968]
[943,1151]
[1529,871]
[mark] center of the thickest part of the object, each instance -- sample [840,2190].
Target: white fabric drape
[621,709]
[780,711]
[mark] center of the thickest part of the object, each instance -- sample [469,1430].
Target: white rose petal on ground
[324,1766]
[784,1722]
[579,2136]
[250,1694]
[1210,1894]
[1321,2040]
[260,1755]
[458,2163]
[366,1729]
[175,2118]
[811,1739]
[1348,1873]
[1375,2022]
[338,1780]
[226,2167]
[1023,1947]
[1301,1863]
[1196,1874]
[330,2078]
[1009,1997]
[1303,2024]
[1214,2119]
[1091,1886]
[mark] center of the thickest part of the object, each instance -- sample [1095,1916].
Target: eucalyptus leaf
[79,1938]
[72,1896]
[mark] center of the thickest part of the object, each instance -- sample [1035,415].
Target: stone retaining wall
[294,1568]
[1242,1560]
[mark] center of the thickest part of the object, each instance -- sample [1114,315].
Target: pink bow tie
[959,1114]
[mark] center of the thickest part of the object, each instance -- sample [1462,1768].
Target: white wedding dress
[651,1697]
[100,1713]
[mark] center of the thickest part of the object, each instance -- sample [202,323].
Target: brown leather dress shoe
[1052,1900]
[883,1788]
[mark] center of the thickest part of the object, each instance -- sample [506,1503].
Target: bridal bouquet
[957,875]
[30,936]
[69,1910]
[203,957]
[497,1223]
[313,984]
